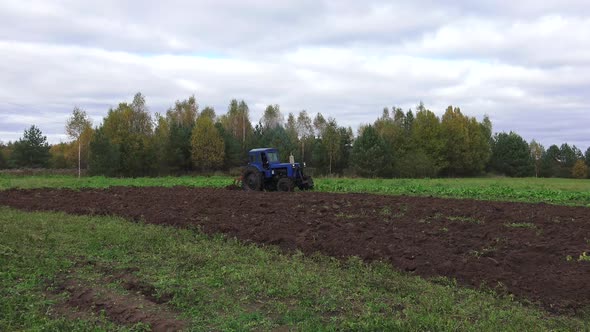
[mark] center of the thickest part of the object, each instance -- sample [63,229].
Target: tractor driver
[264,160]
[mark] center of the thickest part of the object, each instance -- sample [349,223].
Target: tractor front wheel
[306,183]
[285,184]
[252,179]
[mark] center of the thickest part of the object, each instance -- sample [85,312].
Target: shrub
[580,170]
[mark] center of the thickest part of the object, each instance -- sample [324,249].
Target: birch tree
[75,127]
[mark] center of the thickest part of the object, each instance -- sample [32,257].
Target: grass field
[555,191]
[217,283]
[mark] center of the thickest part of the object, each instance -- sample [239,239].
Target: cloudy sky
[524,63]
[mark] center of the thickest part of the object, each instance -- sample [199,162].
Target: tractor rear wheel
[285,184]
[252,179]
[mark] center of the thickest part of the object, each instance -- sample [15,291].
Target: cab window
[272,157]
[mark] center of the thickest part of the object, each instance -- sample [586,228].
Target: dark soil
[517,248]
[140,305]
[233,187]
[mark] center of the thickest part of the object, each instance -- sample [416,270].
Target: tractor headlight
[304,164]
[273,172]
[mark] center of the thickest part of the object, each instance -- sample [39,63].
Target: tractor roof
[262,150]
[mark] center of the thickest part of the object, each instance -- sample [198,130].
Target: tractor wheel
[252,179]
[307,183]
[285,184]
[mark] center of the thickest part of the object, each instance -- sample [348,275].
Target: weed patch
[527,225]
[468,220]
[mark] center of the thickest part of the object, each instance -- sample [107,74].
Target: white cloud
[545,41]
[525,63]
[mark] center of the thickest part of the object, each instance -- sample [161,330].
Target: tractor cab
[263,157]
[266,172]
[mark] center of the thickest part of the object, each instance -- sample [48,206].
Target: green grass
[521,225]
[217,283]
[464,219]
[554,191]
[64,181]
[584,257]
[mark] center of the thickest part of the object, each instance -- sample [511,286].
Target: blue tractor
[266,172]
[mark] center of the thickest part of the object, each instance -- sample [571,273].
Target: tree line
[407,144]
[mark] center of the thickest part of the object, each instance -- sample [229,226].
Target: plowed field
[529,250]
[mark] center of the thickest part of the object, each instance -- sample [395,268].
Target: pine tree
[32,150]
[369,156]
[3,159]
[345,149]
[232,148]
[550,162]
[568,155]
[511,155]
[104,155]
